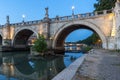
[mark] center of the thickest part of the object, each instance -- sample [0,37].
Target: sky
[77,35]
[35,10]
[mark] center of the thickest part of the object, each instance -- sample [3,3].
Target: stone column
[46,27]
[117,23]
[6,33]
[6,43]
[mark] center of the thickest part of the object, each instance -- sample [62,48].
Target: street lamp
[23,16]
[73,7]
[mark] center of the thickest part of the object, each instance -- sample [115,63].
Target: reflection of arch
[44,68]
[24,67]
[22,35]
[60,65]
[68,28]
[18,65]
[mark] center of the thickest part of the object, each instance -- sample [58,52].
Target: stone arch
[87,24]
[1,38]
[21,29]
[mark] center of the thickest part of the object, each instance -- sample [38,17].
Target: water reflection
[70,57]
[17,66]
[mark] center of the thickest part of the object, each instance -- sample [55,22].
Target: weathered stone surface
[100,65]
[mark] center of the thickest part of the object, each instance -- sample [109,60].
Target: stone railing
[27,23]
[24,23]
[81,16]
[65,18]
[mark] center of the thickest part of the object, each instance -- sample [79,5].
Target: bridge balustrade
[33,22]
[18,24]
[109,11]
[81,16]
[69,17]
[100,12]
[27,23]
[53,19]
[76,16]
[12,24]
[65,18]
[62,18]
[97,13]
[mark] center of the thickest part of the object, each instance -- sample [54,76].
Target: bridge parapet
[81,16]
[27,23]
[64,18]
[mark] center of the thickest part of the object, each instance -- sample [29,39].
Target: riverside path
[100,65]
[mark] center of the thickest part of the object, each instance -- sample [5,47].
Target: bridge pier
[56,50]
[6,42]
[6,45]
[59,50]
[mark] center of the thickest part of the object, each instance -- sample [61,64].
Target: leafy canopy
[91,40]
[104,4]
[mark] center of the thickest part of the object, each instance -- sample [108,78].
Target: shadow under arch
[61,34]
[1,39]
[21,37]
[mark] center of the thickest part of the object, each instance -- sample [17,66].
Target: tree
[40,44]
[91,40]
[104,4]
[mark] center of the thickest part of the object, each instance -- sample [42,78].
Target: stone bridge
[105,23]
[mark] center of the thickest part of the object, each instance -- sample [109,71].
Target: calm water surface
[17,66]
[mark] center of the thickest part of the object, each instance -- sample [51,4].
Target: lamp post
[23,16]
[73,7]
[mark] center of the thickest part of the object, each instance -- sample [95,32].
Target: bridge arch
[63,31]
[1,38]
[23,33]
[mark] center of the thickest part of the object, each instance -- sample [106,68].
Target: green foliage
[104,4]
[40,44]
[91,40]
[86,49]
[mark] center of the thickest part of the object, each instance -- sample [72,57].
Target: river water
[18,66]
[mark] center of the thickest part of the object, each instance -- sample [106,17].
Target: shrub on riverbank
[85,49]
[40,45]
